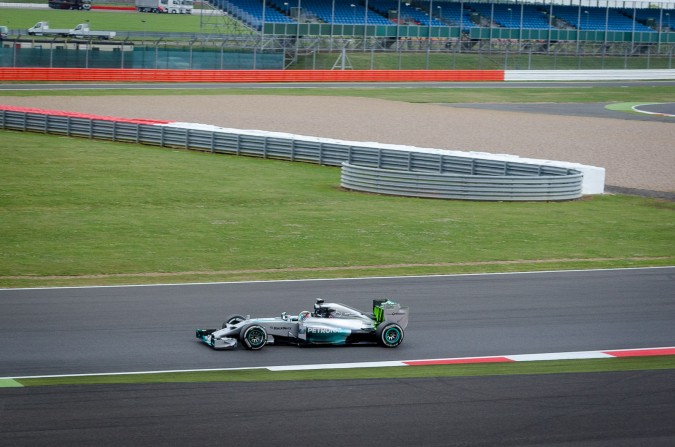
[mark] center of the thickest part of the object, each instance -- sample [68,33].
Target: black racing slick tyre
[253,337]
[389,335]
[233,319]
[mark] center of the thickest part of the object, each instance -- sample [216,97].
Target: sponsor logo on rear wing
[387,310]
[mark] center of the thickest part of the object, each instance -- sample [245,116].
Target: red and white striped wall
[244,76]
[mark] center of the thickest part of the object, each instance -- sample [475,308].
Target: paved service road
[116,329]
[597,410]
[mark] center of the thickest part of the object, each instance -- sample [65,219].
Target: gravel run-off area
[635,154]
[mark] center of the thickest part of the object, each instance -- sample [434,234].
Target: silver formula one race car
[329,324]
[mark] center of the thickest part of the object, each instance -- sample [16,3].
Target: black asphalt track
[122,329]
[51,331]
[599,409]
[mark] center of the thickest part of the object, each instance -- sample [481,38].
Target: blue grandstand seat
[338,12]
[456,14]
[411,14]
[447,13]
[251,12]
[598,19]
[665,18]
[508,16]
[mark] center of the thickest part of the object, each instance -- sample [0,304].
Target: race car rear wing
[390,311]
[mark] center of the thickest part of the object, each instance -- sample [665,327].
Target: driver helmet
[304,315]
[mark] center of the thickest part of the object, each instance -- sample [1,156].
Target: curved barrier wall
[371,167]
[565,186]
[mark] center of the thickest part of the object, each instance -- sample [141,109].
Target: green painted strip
[9,383]
[627,107]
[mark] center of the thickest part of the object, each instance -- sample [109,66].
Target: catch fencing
[204,52]
[368,167]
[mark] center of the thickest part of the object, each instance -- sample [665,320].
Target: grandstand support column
[159,41]
[192,44]
[579,29]
[398,26]
[332,24]
[506,57]
[492,24]
[365,27]
[658,45]
[520,28]
[262,28]
[550,26]
[625,58]
[431,19]
[398,35]
[297,29]
[606,22]
[632,34]
[343,61]
[461,24]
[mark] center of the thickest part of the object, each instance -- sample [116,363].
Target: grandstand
[375,17]
[457,14]
[598,19]
[252,12]
[410,15]
[509,15]
[342,13]
[660,19]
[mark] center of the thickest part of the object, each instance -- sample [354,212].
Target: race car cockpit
[322,311]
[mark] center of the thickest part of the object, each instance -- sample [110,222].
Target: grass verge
[76,211]
[407,372]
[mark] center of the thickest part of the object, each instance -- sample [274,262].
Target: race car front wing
[206,335]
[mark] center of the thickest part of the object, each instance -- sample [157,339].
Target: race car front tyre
[389,335]
[233,319]
[253,337]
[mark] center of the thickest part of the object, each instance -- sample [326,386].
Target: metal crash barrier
[368,167]
[565,185]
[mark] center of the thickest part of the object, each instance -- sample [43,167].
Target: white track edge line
[599,354]
[449,275]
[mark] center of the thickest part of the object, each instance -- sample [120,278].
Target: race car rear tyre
[253,337]
[389,335]
[233,319]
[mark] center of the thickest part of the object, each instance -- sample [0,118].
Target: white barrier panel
[593,182]
[588,75]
